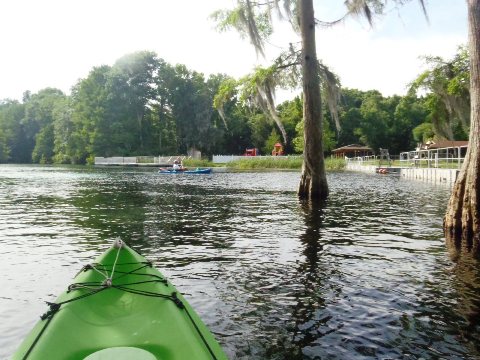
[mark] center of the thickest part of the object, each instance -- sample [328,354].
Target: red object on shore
[251,152]
[277,149]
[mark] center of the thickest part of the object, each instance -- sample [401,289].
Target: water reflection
[311,323]
[467,285]
[95,209]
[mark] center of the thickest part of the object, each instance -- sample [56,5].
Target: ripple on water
[367,276]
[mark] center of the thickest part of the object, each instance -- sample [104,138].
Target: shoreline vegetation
[293,163]
[50,127]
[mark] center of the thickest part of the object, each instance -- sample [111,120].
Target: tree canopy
[141,105]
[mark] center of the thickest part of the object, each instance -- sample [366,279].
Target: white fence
[371,159]
[449,157]
[430,175]
[434,158]
[115,160]
[138,160]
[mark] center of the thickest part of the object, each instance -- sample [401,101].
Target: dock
[429,175]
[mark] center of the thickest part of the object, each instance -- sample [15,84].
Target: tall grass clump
[335,164]
[197,163]
[282,162]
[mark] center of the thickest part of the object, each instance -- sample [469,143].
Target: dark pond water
[365,277]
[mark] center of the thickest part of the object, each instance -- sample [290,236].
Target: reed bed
[292,163]
[253,163]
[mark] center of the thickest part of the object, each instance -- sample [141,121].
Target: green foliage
[144,106]
[369,118]
[328,137]
[447,83]
[257,91]
[130,86]
[14,145]
[270,142]
[141,105]
[248,20]
[260,129]
[91,117]
[238,136]
[226,91]
[287,162]
[335,164]
[96,120]
[408,114]
[191,108]
[373,125]
[202,163]
[423,132]
[291,113]
[237,19]
[298,140]
[43,150]
[38,123]
[282,162]
[4,150]
[329,141]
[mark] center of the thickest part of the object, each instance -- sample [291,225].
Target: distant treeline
[144,106]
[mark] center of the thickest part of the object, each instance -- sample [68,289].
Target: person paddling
[177,166]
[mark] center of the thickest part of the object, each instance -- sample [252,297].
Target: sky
[54,43]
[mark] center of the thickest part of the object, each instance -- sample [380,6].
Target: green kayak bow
[120,307]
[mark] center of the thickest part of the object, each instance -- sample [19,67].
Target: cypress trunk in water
[313,182]
[462,220]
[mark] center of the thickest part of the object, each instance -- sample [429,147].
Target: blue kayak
[193,171]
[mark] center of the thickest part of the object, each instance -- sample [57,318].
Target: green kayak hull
[120,307]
